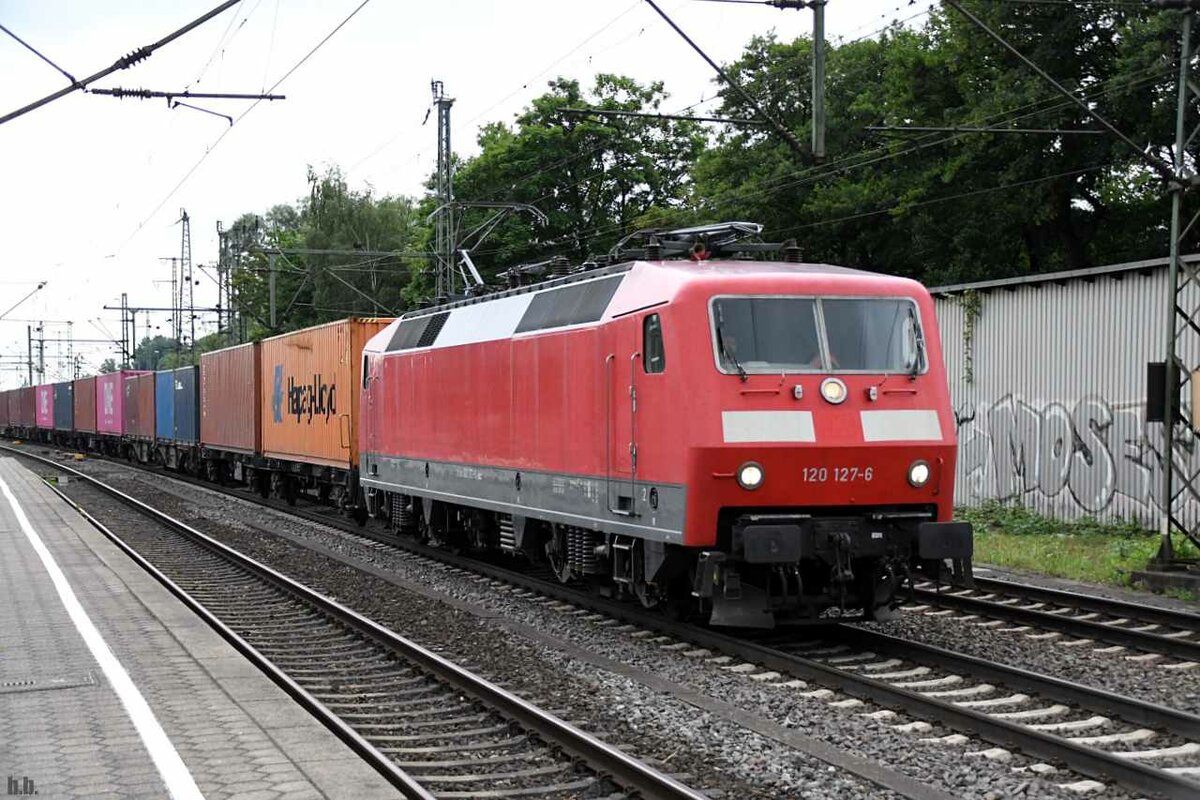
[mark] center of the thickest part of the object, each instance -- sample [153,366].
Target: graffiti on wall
[1087,457]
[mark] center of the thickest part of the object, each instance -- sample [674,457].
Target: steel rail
[1086,760]
[1102,605]
[398,777]
[621,767]
[1149,641]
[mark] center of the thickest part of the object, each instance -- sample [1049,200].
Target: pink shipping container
[110,401]
[14,406]
[44,413]
[139,405]
[4,409]
[230,399]
[84,398]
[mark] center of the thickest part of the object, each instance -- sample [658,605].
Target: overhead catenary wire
[779,127]
[217,49]
[138,55]
[458,126]
[570,159]
[34,50]
[209,150]
[935,200]
[881,155]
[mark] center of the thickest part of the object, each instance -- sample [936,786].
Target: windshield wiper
[918,340]
[725,352]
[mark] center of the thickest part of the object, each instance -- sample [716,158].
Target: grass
[1085,549]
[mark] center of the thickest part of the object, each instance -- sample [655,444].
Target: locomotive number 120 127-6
[837,474]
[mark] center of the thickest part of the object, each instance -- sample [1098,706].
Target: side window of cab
[654,356]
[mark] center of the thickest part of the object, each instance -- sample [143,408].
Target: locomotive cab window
[365,372]
[766,334]
[872,334]
[654,356]
[806,334]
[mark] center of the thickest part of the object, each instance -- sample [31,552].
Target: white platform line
[166,759]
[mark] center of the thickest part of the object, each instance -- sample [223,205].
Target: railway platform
[111,688]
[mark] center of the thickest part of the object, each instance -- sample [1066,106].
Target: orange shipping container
[84,398]
[230,401]
[310,386]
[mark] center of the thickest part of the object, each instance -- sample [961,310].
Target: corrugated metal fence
[1048,381]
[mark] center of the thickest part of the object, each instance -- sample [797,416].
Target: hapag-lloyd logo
[304,400]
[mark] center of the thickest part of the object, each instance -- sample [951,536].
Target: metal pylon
[444,231]
[1181,480]
[185,276]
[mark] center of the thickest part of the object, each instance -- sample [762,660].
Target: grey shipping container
[186,382]
[64,406]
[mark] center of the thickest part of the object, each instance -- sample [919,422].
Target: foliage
[1086,549]
[108,365]
[972,306]
[311,288]
[951,207]
[942,207]
[1020,521]
[595,177]
[152,352]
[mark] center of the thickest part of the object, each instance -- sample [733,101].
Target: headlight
[833,390]
[918,474]
[750,475]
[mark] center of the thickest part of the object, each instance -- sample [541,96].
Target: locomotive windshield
[804,334]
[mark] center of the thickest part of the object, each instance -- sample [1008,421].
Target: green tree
[954,206]
[311,288]
[595,178]
[157,352]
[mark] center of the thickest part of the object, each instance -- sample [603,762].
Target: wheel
[556,555]
[646,594]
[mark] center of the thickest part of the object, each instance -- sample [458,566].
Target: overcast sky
[93,186]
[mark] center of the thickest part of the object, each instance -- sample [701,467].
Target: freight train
[277,415]
[755,442]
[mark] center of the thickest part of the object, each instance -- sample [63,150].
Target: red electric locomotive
[759,441]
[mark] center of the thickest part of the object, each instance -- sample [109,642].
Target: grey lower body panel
[651,510]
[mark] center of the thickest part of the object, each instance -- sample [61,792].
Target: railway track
[1103,736]
[434,728]
[1123,626]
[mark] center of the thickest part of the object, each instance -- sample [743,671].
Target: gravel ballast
[712,749]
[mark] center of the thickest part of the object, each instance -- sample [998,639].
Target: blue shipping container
[164,405]
[64,407]
[187,404]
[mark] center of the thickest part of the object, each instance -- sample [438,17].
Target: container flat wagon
[231,416]
[25,409]
[64,407]
[44,411]
[176,420]
[309,392]
[83,393]
[139,416]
